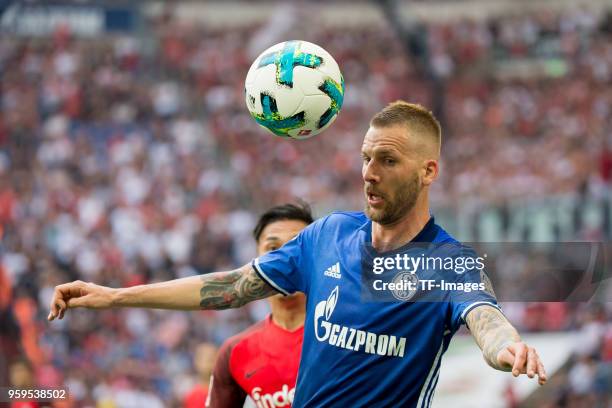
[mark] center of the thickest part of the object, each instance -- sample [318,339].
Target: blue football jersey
[360,353]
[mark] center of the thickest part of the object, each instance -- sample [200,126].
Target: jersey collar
[426,235]
[276,328]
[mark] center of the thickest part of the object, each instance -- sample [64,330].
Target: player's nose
[370,173]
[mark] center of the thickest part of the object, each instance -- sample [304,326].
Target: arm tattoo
[224,290]
[492,331]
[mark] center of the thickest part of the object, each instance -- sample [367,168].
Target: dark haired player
[355,353]
[262,361]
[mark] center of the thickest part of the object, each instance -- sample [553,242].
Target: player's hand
[522,359]
[79,294]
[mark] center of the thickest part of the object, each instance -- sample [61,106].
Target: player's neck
[389,237]
[288,318]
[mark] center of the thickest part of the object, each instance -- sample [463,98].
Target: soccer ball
[294,89]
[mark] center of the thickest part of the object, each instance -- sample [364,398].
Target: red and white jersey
[261,362]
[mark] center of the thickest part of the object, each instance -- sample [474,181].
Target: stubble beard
[402,201]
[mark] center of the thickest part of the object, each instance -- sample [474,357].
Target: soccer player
[355,353]
[203,361]
[262,361]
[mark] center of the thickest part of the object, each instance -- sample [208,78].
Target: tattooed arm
[501,345]
[220,290]
[492,333]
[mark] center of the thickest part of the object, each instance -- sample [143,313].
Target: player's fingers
[532,361]
[520,356]
[61,304]
[72,288]
[78,302]
[52,311]
[61,294]
[53,308]
[57,305]
[542,377]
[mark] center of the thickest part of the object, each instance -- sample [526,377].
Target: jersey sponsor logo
[282,398]
[352,339]
[333,271]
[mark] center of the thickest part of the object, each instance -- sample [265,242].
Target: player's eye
[389,161]
[365,158]
[273,248]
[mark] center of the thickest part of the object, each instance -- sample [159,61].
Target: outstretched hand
[522,359]
[79,294]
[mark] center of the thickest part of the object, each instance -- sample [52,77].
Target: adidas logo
[333,271]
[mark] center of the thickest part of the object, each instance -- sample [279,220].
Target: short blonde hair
[414,116]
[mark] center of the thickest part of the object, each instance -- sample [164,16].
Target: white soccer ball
[294,89]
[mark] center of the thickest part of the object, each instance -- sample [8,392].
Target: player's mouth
[374,200]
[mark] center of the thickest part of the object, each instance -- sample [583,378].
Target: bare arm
[219,290]
[501,345]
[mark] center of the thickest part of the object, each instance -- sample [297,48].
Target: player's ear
[430,168]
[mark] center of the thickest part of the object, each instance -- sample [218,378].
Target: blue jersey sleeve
[463,301]
[284,269]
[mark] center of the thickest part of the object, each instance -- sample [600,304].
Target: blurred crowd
[132,159]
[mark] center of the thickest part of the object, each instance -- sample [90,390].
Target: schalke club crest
[406,285]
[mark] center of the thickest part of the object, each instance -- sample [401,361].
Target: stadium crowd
[126,160]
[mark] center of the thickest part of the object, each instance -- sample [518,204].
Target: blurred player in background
[354,353]
[262,361]
[204,358]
